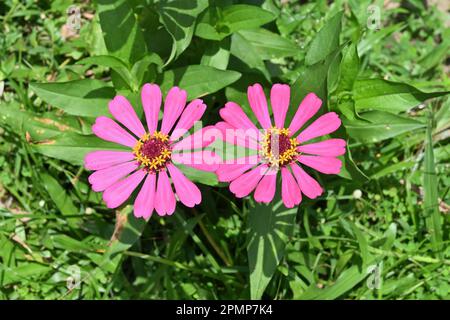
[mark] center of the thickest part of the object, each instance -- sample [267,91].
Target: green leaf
[179,18]
[270,226]
[430,186]
[270,45]
[350,170]
[25,271]
[379,125]
[311,79]
[72,147]
[198,80]
[87,97]
[204,177]
[59,196]
[362,242]
[347,280]
[38,126]
[127,231]
[123,37]
[374,37]
[146,69]
[217,54]
[104,61]
[434,57]
[379,94]
[114,63]
[385,170]
[217,25]
[349,69]
[244,51]
[326,40]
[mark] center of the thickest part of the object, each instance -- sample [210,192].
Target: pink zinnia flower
[279,148]
[153,153]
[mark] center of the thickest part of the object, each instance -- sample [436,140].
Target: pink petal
[165,198]
[258,103]
[122,110]
[173,106]
[102,179]
[265,191]
[120,191]
[246,183]
[327,165]
[192,113]
[151,98]
[186,190]
[107,129]
[307,108]
[325,124]
[97,160]
[199,139]
[308,185]
[327,148]
[236,167]
[144,203]
[290,192]
[205,160]
[247,138]
[236,117]
[280,95]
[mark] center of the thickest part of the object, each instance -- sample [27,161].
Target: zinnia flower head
[153,153]
[280,148]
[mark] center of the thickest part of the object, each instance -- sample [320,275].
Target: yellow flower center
[153,151]
[278,149]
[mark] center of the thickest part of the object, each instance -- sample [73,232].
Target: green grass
[52,227]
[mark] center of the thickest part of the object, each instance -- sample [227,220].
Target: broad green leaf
[122,34]
[217,54]
[430,186]
[349,69]
[434,56]
[347,280]
[349,168]
[127,231]
[179,18]
[373,37]
[217,25]
[37,126]
[379,94]
[362,243]
[204,177]
[114,63]
[379,125]
[104,61]
[25,271]
[326,40]
[68,243]
[288,22]
[146,69]
[58,194]
[393,168]
[270,45]
[311,79]
[244,51]
[389,236]
[198,80]
[87,97]
[72,147]
[270,226]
